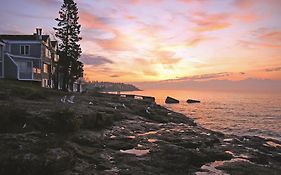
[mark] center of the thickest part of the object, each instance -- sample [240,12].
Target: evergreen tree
[67,32]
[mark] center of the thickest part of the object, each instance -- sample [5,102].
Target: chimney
[39,33]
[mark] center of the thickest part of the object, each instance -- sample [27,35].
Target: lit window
[24,50]
[45,68]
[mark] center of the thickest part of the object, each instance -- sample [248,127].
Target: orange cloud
[90,21]
[210,22]
[143,1]
[103,73]
[120,42]
[198,40]
[244,4]
[263,38]
[247,17]
[273,37]
[165,58]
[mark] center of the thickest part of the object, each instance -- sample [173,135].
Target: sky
[164,40]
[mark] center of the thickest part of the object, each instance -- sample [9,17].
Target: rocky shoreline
[108,135]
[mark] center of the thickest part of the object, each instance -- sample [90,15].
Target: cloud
[192,1]
[210,22]
[247,18]
[90,21]
[165,57]
[274,69]
[244,4]
[136,2]
[262,37]
[273,36]
[121,42]
[102,73]
[150,72]
[145,67]
[46,2]
[198,39]
[204,76]
[115,76]
[95,60]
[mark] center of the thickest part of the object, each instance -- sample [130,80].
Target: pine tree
[67,32]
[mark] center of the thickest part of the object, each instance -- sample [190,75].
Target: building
[28,57]
[2,44]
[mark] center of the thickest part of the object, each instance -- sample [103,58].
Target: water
[256,114]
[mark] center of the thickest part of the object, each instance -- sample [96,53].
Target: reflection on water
[148,133]
[152,140]
[233,113]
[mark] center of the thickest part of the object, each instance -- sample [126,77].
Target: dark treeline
[111,87]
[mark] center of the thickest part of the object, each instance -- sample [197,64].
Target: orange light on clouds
[175,39]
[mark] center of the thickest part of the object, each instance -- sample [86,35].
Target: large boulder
[171,100]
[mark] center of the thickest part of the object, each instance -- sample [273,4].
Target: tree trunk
[65,80]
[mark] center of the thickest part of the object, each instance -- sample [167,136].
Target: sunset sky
[152,40]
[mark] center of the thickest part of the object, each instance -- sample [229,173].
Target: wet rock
[245,168]
[170,100]
[99,120]
[192,101]
[88,138]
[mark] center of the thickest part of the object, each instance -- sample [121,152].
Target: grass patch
[26,90]
[62,121]
[12,119]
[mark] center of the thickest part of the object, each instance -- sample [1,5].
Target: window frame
[26,49]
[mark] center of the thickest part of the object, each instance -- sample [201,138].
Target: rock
[192,101]
[148,99]
[171,100]
[57,160]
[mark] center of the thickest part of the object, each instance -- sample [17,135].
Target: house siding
[35,49]
[11,69]
[1,60]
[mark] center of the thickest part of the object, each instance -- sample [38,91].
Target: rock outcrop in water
[113,135]
[170,100]
[192,101]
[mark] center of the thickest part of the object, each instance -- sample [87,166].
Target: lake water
[231,113]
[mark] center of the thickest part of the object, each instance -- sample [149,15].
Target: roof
[23,37]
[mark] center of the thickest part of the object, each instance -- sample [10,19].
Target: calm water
[232,113]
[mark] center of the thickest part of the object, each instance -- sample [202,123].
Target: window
[36,70]
[24,50]
[45,68]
